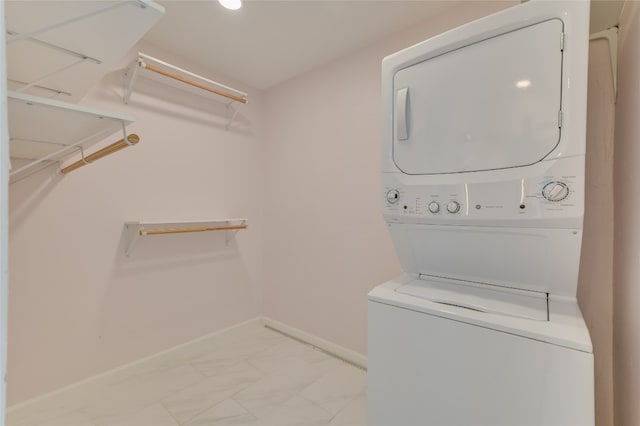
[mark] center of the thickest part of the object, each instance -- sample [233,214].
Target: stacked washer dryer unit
[483,193]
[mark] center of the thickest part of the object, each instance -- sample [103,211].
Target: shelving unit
[62,49]
[163,72]
[45,131]
[137,229]
[58,51]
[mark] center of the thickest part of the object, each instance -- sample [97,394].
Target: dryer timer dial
[555,191]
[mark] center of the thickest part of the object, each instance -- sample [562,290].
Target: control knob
[555,191]
[453,207]
[393,196]
[434,207]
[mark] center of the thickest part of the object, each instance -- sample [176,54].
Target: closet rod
[132,139]
[194,229]
[193,83]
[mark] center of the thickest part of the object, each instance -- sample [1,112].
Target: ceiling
[268,42]
[605,14]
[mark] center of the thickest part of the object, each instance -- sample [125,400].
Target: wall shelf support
[136,229]
[231,114]
[180,78]
[611,35]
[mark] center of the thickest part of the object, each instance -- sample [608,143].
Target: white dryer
[483,194]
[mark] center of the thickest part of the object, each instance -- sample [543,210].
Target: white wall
[78,306]
[595,292]
[326,243]
[626,297]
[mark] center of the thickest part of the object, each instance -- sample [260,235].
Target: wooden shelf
[45,131]
[137,229]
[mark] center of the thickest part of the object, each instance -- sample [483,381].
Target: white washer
[483,193]
[432,363]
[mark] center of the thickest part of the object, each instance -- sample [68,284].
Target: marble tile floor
[250,375]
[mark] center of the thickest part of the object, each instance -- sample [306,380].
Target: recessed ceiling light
[231,4]
[522,84]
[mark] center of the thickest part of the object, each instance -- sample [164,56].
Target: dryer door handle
[402,128]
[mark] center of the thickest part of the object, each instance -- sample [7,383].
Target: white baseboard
[327,346]
[253,321]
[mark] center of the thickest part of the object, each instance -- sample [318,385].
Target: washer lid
[489,105]
[482,298]
[565,326]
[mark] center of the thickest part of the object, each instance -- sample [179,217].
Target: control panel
[546,197]
[403,200]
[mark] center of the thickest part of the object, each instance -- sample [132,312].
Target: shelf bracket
[232,112]
[611,35]
[126,137]
[233,233]
[83,159]
[131,75]
[132,233]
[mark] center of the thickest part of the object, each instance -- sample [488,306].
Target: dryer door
[490,105]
